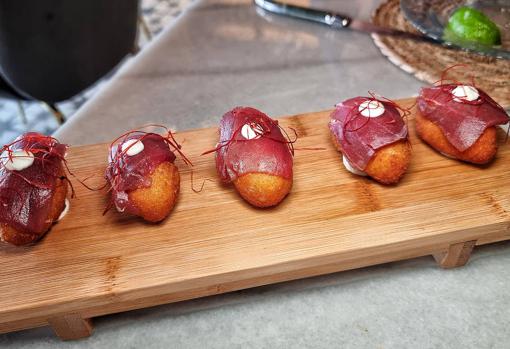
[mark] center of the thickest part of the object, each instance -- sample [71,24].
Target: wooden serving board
[90,265]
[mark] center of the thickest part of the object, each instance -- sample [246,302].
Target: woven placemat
[427,61]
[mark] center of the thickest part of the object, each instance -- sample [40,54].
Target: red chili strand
[117,154]
[355,112]
[445,85]
[36,139]
[266,130]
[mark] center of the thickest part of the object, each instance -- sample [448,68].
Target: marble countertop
[223,53]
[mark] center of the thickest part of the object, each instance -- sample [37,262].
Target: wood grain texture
[71,326]
[214,242]
[456,255]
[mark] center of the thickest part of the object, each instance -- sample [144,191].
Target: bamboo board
[90,265]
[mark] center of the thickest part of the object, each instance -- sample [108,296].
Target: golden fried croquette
[481,152]
[157,201]
[262,189]
[389,163]
[15,237]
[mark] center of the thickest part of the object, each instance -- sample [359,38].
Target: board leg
[457,255]
[71,326]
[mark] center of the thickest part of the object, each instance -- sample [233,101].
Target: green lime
[469,24]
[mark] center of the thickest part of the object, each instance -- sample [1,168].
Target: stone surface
[225,53]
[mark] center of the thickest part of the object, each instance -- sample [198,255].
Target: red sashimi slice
[360,136]
[127,173]
[26,195]
[462,122]
[251,142]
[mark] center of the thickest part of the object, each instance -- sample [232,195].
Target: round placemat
[427,61]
